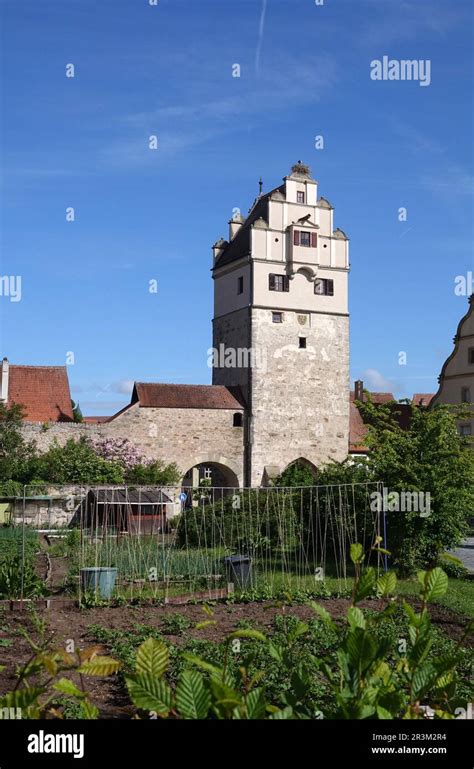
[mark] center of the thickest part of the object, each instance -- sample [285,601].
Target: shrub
[76,462]
[253,521]
[428,456]
[18,579]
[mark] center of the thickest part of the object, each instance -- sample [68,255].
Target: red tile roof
[422,399]
[43,391]
[170,396]
[357,430]
[95,420]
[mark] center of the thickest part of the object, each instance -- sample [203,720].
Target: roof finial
[260,184]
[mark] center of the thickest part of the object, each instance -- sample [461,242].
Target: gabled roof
[43,391]
[422,399]
[358,429]
[183,396]
[239,246]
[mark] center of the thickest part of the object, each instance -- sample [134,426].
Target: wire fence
[160,542]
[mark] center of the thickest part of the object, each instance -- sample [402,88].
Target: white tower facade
[281,327]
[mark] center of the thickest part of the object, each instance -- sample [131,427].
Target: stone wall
[185,436]
[300,405]
[232,331]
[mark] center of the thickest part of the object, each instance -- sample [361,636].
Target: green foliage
[18,579]
[175,624]
[11,489]
[15,453]
[154,474]
[308,669]
[76,412]
[296,474]
[430,457]
[453,566]
[42,690]
[253,521]
[76,462]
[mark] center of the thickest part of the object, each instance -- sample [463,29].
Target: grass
[459,598]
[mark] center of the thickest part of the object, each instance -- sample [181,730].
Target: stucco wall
[458,371]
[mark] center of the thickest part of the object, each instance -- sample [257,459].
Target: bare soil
[108,694]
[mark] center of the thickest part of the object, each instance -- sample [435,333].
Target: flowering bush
[119,450]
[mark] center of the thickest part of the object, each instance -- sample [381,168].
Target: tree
[16,454]
[428,457]
[76,412]
[76,462]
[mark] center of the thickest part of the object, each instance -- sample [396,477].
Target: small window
[324,287]
[465,430]
[302,343]
[277,317]
[308,239]
[278,282]
[470,355]
[465,395]
[240,285]
[300,197]
[237,420]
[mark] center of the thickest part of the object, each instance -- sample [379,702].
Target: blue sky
[142,215]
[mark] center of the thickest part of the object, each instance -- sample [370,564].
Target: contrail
[260,36]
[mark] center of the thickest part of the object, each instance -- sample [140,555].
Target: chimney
[5,373]
[359,390]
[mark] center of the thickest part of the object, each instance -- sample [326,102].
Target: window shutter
[296,238]
[314,239]
[330,291]
[271,282]
[286,283]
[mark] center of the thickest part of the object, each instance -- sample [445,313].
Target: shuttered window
[278,282]
[324,287]
[302,238]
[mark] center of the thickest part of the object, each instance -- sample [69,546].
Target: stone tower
[281,327]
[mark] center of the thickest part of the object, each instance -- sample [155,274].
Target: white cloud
[374,380]
[261,30]
[124,386]
[280,84]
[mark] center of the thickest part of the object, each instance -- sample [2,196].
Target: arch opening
[299,472]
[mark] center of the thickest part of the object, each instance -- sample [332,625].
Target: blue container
[99,579]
